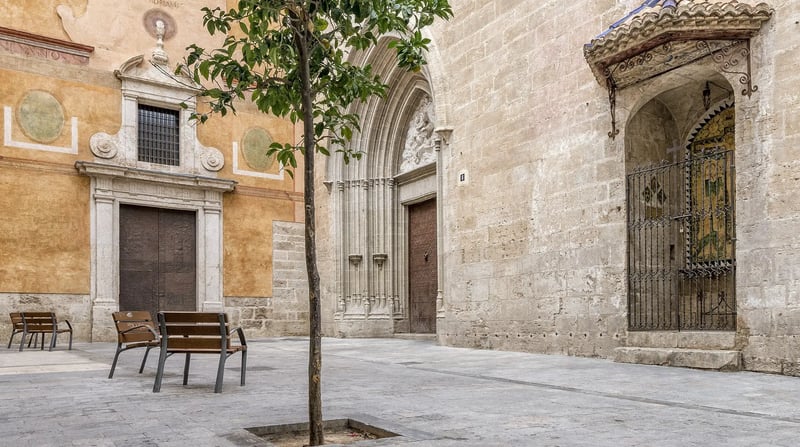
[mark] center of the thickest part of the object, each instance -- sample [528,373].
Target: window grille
[159,135]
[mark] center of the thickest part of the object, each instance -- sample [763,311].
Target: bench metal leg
[186,368]
[220,371]
[114,363]
[11,339]
[69,325]
[244,366]
[144,359]
[162,357]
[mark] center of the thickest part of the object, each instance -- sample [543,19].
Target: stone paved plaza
[429,394]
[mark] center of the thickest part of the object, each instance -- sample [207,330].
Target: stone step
[414,336]
[721,360]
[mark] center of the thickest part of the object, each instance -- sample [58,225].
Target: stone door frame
[115,185]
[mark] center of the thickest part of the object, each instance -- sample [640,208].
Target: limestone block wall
[768,209]
[533,188]
[530,258]
[535,233]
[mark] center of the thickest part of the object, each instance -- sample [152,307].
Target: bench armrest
[240,333]
[69,325]
[149,328]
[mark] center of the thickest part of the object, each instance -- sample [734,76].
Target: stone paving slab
[431,395]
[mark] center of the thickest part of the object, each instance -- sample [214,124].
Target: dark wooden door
[422,268]
[157,257]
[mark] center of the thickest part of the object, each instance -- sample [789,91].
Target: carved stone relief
[211,159]
[151,19]
[104,145]
[419,145]
[41,47]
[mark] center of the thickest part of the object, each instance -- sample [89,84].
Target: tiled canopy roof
[657,22]
[644,6]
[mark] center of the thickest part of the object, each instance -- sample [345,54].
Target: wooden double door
[157,259]
[422,267]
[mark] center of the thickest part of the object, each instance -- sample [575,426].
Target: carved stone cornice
[92,169]
[27,44]
[672,21]
[416,174]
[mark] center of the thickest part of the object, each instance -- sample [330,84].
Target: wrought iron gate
[681,245]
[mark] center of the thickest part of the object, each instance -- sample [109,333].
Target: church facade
[606,178]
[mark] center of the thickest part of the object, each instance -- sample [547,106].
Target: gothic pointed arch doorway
[384,211]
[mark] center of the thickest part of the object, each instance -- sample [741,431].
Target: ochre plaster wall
[44,231]
[38,17]
[250,210]
[117,30]
[247,243]
[44,228]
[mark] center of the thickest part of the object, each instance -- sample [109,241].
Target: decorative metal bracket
[729,57]
[612,102]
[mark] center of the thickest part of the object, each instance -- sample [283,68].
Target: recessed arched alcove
[680,191]
[667,113]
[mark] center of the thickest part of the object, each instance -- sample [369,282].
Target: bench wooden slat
[194,317]
[178,330]
[230,350]
[16,326]
[197,343]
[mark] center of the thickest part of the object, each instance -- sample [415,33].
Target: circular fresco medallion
[154,15]
[255,145]
[41,116]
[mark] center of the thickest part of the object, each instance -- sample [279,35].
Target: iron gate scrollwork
[681,244]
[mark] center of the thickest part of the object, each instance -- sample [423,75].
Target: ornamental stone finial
[159,55]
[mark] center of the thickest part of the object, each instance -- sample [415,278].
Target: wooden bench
[198,333]
[40,323]
[135,329]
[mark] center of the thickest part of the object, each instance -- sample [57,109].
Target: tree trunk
[316,436]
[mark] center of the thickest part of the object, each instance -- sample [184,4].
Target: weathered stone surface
[691,358]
